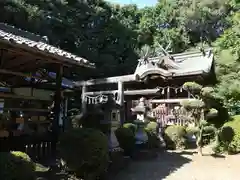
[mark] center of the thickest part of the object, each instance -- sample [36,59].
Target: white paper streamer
[96,100]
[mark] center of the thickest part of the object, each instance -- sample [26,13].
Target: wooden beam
[26,109]
[160,101]
[57,107]
[1,58]
[83,98]
[4,71]
[14,96]
[127,92]
[18,63]
[31,56]
[129,78]
[109,80]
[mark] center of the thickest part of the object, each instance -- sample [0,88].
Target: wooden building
[158,79]
[27,62]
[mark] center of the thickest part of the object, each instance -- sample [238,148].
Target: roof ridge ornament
[168,60]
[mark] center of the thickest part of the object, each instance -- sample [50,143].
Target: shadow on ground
[153,169]
[156,169]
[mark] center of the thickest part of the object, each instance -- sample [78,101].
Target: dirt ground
[184,165]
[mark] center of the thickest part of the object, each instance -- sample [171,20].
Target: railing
[38,147]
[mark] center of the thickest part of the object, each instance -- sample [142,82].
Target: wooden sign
[20,120]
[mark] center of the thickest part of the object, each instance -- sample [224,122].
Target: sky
[140,3]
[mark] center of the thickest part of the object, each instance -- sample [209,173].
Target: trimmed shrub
[16,165]
[131,126]
[85,151]
[227,133]
[153,140]
[151,127]
[192,86]
[209,134]
[126,139]
[192,130]
[175,137]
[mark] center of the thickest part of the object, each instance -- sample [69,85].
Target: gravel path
[184,165]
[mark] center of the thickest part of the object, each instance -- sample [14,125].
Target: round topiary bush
[126,139]
[192,130]
[85,151]
[226,134]
[175,137]
[232,130]
[131,126]
[153,140]
[151,127]
[16,165]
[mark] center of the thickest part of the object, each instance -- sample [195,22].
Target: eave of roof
[29,41]
[188,63]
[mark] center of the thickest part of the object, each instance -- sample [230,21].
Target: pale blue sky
[140,3]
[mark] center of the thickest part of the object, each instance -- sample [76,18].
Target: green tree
[227,48]
[204,112]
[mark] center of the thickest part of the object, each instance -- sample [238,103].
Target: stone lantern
[141,111]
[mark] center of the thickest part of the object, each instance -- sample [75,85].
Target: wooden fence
[169,116]
[38,147]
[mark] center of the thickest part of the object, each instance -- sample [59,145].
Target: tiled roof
[188,63]
[26,39]
[184,64]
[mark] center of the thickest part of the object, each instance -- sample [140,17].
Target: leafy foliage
[231,128]
[174,137]
[85,151]
[227,48]
[112,35]
[192,86]
[16,165]
[131,126]
[151,127]
[206,117]
[153,140]
[126,139]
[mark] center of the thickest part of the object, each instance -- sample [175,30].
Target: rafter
[8,72]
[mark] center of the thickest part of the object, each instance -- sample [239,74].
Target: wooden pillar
[57,106]
[121,101]
[168,97]
[66,106]
[65,124]
[84,103]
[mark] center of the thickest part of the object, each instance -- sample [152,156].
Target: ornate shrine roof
[183,64]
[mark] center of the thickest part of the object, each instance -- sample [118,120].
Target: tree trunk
[199,142]
[200,150]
